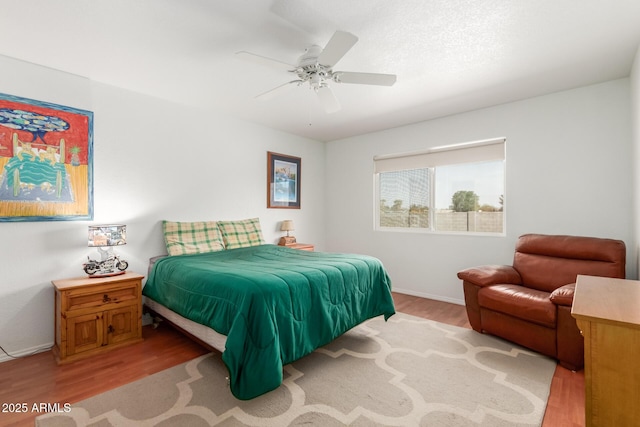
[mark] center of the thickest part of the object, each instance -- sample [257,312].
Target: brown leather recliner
[529,303]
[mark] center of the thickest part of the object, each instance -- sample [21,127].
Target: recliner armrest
[563,295]
[488,275]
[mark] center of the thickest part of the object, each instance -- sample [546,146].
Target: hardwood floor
[37,379]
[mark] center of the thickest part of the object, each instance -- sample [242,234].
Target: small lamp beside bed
[287,225]
[105,237]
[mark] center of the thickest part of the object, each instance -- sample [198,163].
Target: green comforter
[273,303]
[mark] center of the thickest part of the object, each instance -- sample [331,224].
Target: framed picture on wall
[283,181]
[46,161]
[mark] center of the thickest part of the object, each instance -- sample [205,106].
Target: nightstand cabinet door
[94,315]
[84,333]
[121,324]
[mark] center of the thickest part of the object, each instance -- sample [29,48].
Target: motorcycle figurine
[106,267]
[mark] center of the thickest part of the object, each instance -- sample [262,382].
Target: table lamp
[105,237]
[287,225]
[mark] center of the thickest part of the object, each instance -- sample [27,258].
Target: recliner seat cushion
[518,301]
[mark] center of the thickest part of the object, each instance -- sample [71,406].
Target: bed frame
[199,333]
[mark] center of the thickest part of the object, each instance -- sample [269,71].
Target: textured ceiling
[449,55]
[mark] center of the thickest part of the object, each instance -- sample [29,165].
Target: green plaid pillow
[184,238]
[242,233]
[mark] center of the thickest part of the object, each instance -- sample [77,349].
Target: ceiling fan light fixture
[316,81]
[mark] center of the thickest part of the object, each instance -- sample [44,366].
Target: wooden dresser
[608,314]
[93,315]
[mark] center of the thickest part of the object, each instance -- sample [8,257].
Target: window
[458,188]
[404,198]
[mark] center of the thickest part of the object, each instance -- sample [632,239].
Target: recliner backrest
[546,262]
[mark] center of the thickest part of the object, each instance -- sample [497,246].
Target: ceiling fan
[315,67]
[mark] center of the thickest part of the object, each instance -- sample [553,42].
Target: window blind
[478,151]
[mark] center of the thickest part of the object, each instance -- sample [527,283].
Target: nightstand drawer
[78,300]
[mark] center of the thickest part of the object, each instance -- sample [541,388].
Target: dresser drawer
[77,300]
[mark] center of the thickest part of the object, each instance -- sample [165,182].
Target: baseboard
[428,296]
[25,352]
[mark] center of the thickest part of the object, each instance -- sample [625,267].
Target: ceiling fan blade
[276,90]
[364,78]
[340,43]
[263,60]
[328,99]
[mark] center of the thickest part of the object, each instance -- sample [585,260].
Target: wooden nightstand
[301,246]
[94,315]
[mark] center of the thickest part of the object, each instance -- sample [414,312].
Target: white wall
[153,160]
[569,171]
[635,125]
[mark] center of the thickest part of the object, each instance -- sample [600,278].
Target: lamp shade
[287,225]
[107,235]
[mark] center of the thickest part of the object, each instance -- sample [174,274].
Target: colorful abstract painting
[46,161]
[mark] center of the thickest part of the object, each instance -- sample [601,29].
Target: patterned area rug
[405,372]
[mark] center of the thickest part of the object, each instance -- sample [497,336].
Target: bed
[266,305]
